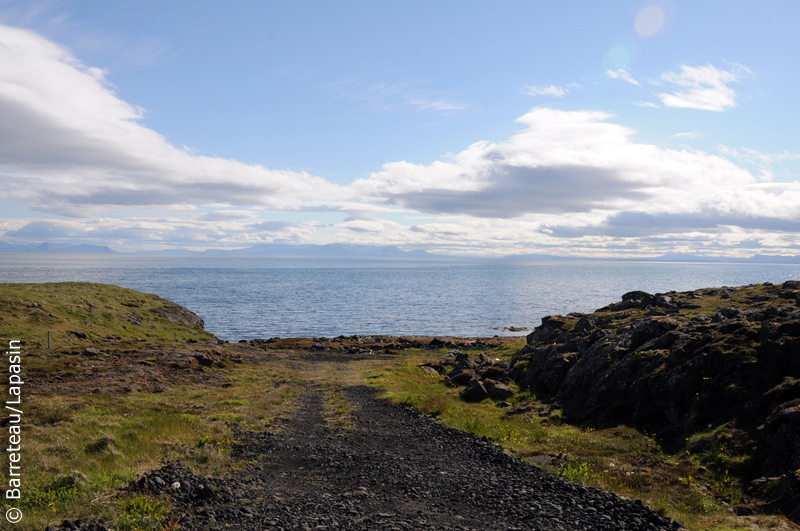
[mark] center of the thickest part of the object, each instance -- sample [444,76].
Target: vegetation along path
[139,420]
[387,467]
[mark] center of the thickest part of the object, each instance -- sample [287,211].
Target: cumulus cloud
[706,221]
[568,180]
[552,90]
[224,215]
[707,89]
[621,74]
[158,233]
[563,162]
[575,176]
[271,226]
[69,145]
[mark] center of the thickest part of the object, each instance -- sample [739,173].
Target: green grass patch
[620,459]
[506,351]
[81,449]
[143,513]
[79,312]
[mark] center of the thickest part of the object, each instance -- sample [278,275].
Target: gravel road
[390,469]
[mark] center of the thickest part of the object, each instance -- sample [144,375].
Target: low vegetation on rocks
[684,400]
[692,396]
[712,372]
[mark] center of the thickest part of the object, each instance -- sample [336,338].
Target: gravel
[390,469]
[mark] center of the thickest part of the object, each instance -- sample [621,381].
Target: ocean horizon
[262,297]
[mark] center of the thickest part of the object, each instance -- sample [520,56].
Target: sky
[576,128]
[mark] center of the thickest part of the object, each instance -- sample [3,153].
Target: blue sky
[589,128]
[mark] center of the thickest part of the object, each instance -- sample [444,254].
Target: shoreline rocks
[679,364]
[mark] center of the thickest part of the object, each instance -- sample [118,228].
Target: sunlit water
[261,297]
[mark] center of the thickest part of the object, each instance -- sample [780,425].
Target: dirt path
[389,468]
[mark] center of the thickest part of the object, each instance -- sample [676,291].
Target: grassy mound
[131,380]
[77,313]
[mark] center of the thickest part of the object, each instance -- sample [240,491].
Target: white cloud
[762,163]
[690,134]
[742,71]
[564,162]
[435,104]
[748,153]
[646,104]
[707,89]
[398,95]
[363,225]
[576,176]
[570,180]
[621,74]
[225,215]
[165,232]
[68,145]
[552,90]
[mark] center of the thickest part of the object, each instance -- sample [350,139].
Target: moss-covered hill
[79,312]
[130,380]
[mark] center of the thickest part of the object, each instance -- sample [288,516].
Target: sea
[262,297]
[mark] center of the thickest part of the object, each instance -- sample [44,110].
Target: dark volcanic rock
[82,524]
[179,314]
[475,391]
[461,376]
[785,497]
[680,373]
[497,390]
[494,372]
[552,326]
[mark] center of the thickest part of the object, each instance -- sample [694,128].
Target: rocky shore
[712,368]
[713,372]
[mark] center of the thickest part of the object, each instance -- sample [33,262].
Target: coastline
[123,361]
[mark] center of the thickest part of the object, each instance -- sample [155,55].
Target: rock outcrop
[679,364]
[175,313]
[481,379]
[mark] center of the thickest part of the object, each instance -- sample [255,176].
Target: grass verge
[696,487]
[81,449]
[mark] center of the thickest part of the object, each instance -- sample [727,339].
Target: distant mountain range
[328,251]
[669,257]
[335,250]
[340,250]
[46,247]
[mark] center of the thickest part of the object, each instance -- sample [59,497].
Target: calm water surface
[261,297]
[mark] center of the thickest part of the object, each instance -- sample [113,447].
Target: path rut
[395,469]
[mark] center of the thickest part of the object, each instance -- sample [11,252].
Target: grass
[339,412]
[81,448]
[110,441]
[142,513]
[696,487]
[79,312]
